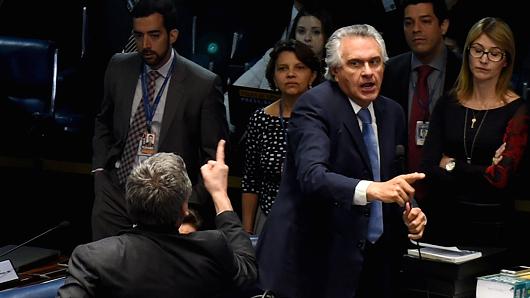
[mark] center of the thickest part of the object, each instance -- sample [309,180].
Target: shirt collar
[357,108]
[437,63]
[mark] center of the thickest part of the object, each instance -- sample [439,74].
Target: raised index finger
[220,154]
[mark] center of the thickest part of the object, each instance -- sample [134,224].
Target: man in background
[156,92]
[416,79]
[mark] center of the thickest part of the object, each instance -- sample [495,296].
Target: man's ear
[444,26]
[173,35]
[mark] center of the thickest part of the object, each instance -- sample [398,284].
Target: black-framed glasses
[494,54]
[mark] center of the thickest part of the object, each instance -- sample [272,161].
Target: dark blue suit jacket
[313,241]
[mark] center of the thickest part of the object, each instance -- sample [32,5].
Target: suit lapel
[352,126]
[130,79]
[173,98]
[403,84]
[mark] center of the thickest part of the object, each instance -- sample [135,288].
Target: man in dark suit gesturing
[337,228]
[153,92]
[153,259]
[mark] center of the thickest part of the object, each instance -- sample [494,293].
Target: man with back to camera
[153,92]
[425,23]
[153,259]
[338,227]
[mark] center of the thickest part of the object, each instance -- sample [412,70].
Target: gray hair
[333,54]
[156,190]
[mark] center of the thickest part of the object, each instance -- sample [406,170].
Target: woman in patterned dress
[292,69]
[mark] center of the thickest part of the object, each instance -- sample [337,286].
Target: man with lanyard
[153,94]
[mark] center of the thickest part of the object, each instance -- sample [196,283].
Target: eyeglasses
[493,54]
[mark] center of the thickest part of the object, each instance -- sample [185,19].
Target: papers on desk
[449,254]
[7,272]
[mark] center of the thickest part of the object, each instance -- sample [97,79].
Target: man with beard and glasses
[158,93]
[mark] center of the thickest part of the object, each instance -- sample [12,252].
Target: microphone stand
[62,224]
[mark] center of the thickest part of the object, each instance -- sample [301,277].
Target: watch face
[450,166]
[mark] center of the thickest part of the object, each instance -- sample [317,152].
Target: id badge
[148,144]
[422,128]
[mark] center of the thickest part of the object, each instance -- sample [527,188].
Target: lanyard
[148,108]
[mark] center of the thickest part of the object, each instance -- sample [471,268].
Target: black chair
[28,76]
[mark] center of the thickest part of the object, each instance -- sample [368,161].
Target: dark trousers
[380,274]
[109,212]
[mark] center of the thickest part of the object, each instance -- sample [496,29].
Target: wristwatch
[450,166]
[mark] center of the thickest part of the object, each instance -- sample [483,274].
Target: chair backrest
[28,73]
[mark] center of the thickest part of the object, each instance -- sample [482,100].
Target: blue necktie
[375,224]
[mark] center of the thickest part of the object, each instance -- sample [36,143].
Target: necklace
[473,120]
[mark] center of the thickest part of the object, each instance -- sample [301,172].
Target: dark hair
[166,8]
[438,6]
[302,51]
[323,16]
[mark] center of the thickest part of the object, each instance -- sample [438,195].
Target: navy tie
[375,224]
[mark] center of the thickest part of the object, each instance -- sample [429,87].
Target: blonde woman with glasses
[475,143]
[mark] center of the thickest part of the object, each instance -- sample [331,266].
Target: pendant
[473,122]
[468,160]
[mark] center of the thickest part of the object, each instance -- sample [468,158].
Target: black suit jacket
[143,263]
[314,237]
[397,74]
[193,122]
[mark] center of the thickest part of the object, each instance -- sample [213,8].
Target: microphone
[400,159]
[63,224]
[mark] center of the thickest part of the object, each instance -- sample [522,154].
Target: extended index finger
[220,154]
[412,177]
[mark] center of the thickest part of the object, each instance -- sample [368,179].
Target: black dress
[472,205]
[264,155]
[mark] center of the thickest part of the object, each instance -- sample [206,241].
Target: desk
[41,282]
[427,278]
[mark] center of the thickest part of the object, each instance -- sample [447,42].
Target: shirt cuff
[359,197]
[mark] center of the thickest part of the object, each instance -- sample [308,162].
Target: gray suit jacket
[193,122]
[146,263]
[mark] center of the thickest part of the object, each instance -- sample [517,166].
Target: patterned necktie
[419,112]
[137,128]
[375,224]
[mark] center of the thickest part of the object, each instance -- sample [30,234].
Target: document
[449,254]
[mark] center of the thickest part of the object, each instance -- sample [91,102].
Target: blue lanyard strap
[148,108]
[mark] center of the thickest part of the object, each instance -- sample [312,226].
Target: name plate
[7,272]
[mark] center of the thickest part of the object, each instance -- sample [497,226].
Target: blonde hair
[498,31]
